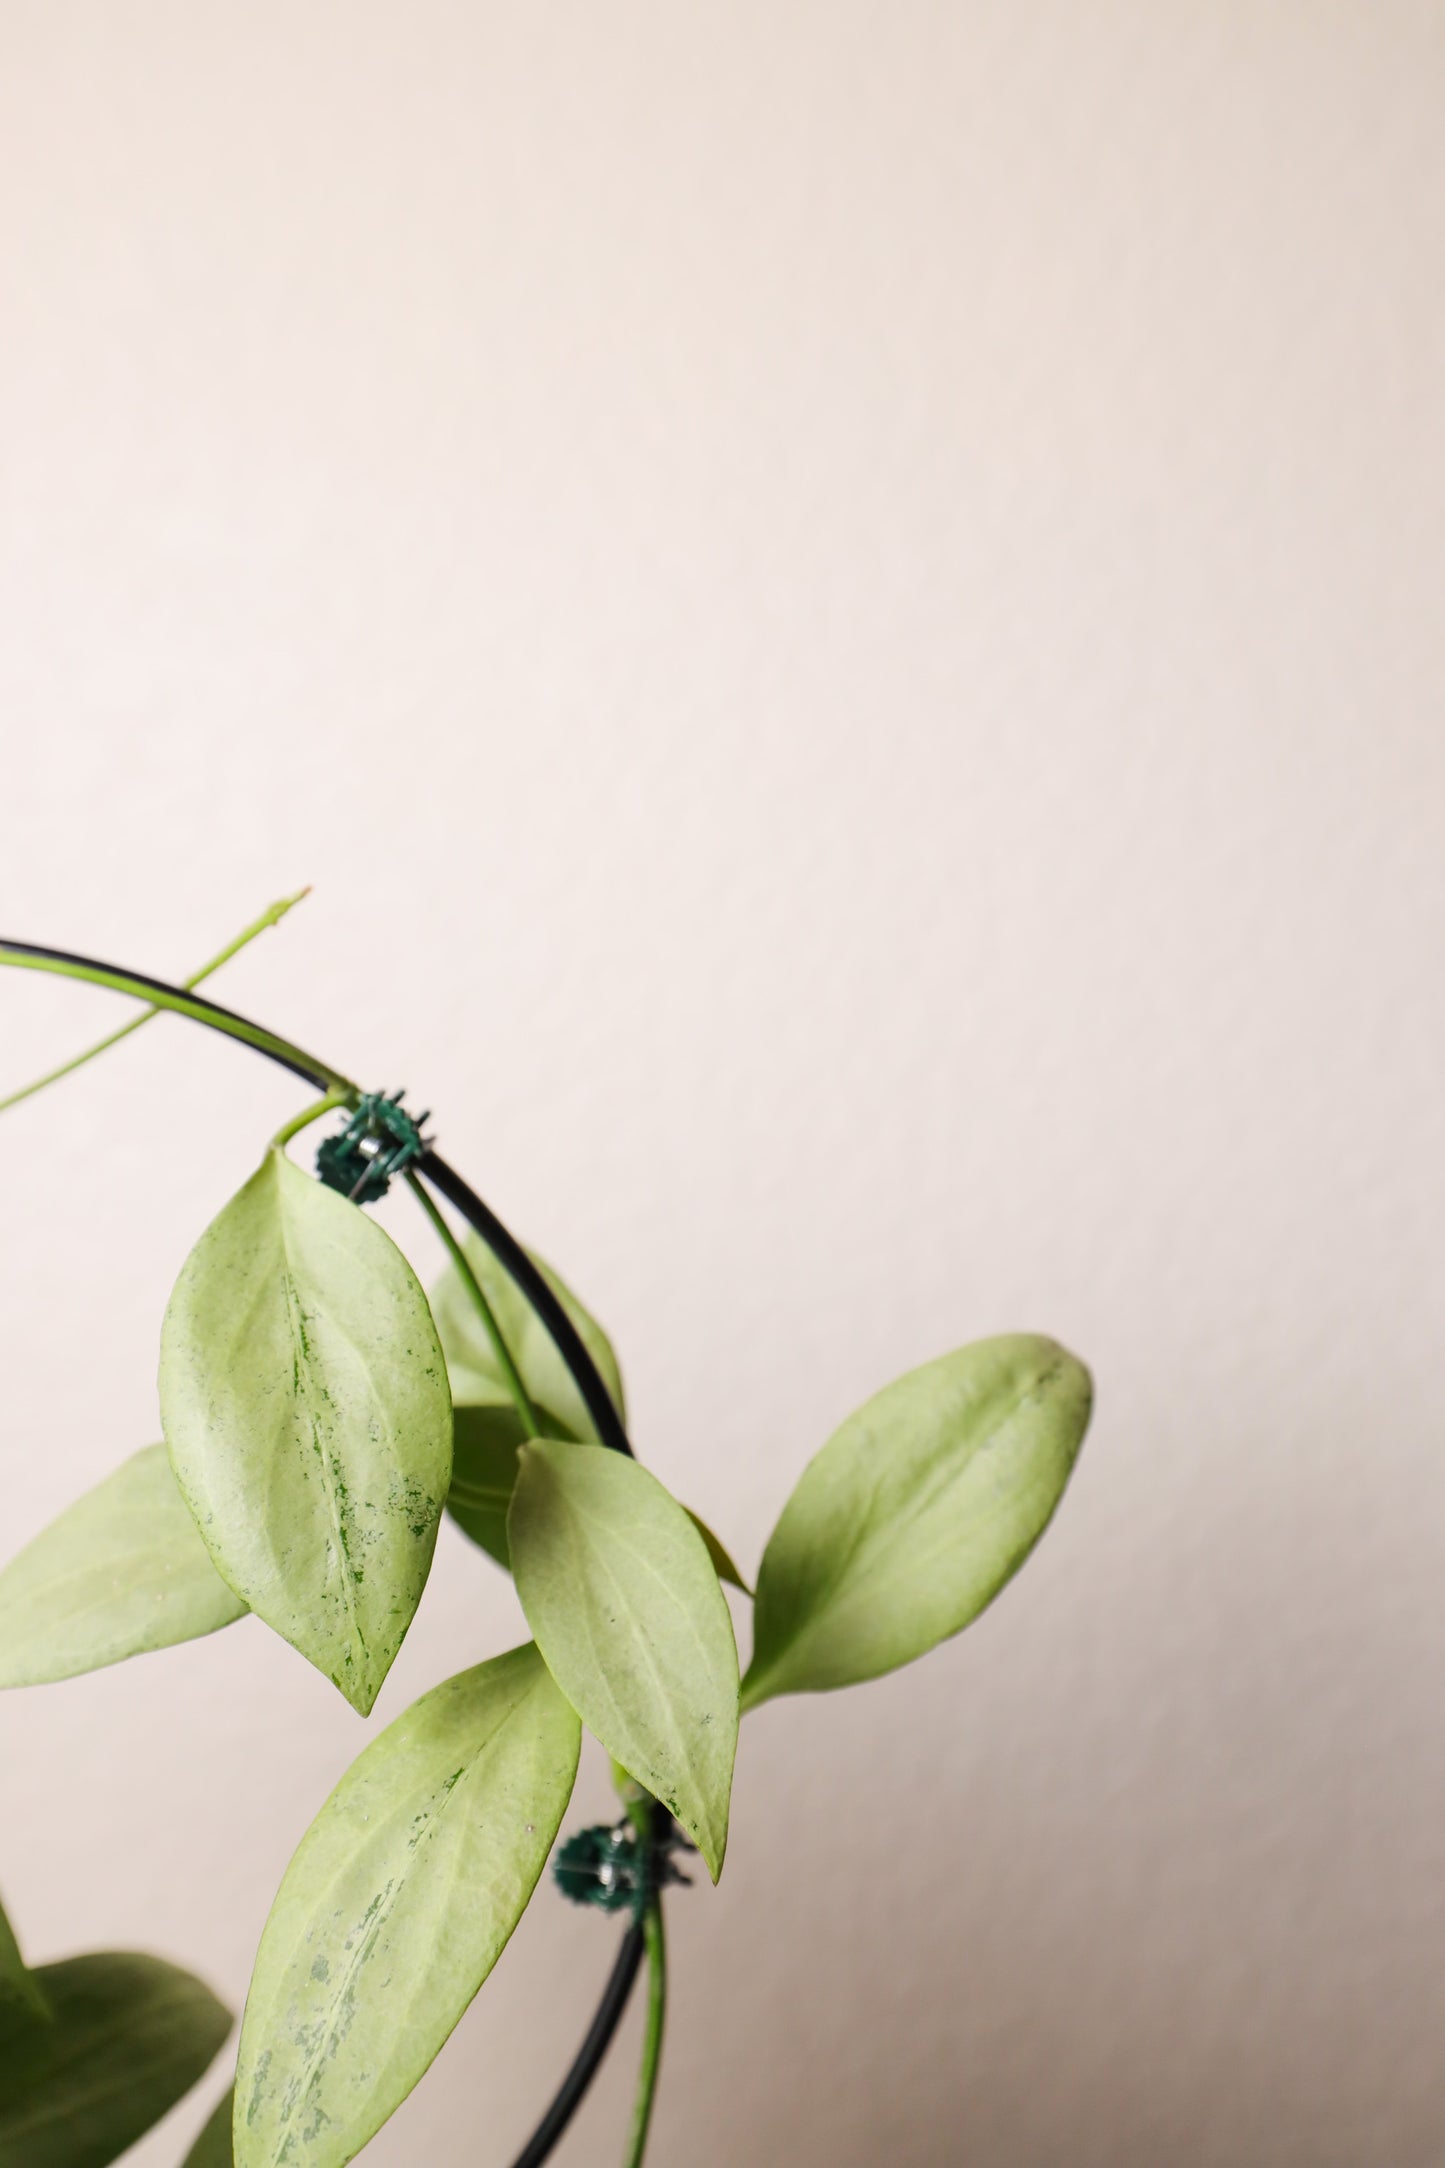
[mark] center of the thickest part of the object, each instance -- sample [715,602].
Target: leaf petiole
[305,1118]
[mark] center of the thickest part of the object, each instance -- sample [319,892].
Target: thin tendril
[504,1246]
[272,916]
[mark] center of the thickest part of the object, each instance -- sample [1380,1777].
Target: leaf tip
[714,1850]
[361,1692]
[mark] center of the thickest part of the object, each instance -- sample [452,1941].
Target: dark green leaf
[213,2148]
[398,1903]
[20,1997]
[486,1440]
[129,2037]
[915,1514]
[543,1372]
[121,1571]
[624,1601]
[306,1406]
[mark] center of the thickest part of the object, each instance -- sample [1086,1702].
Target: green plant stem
[540,1295]
[652,2035]
[23,957]
[305,1118]
[512,1377]
[156,994]
[647,1816]
[532,1284]
[269,917]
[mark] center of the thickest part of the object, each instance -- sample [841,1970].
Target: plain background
[843,604]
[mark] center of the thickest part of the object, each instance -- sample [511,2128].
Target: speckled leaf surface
[545,1375]
[399,1901]
[120,1572]
[129,2036]
[915,1514]
[305,1403]
[624,1601]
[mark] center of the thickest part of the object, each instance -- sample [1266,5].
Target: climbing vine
[321,1415]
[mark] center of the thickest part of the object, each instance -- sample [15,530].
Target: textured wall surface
[844,606]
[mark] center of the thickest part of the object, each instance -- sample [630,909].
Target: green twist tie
[615,1869]
[378,1141]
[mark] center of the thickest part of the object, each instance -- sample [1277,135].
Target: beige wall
[844,605]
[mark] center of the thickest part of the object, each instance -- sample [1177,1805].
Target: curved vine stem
[511,1375]
[272,916]
[314,1113]
[656,1943]
[508,1251]
[546,2137]
[159,994]
[341,1091]
[514,1260]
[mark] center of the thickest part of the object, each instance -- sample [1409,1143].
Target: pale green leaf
[20,1997]
[624,1601]
[543,1372]
[915,1514]
[129,2036]
[121,1571]
[717,1552]
[487,1437]
[213,2148]
[305,1403]
[397,1905]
